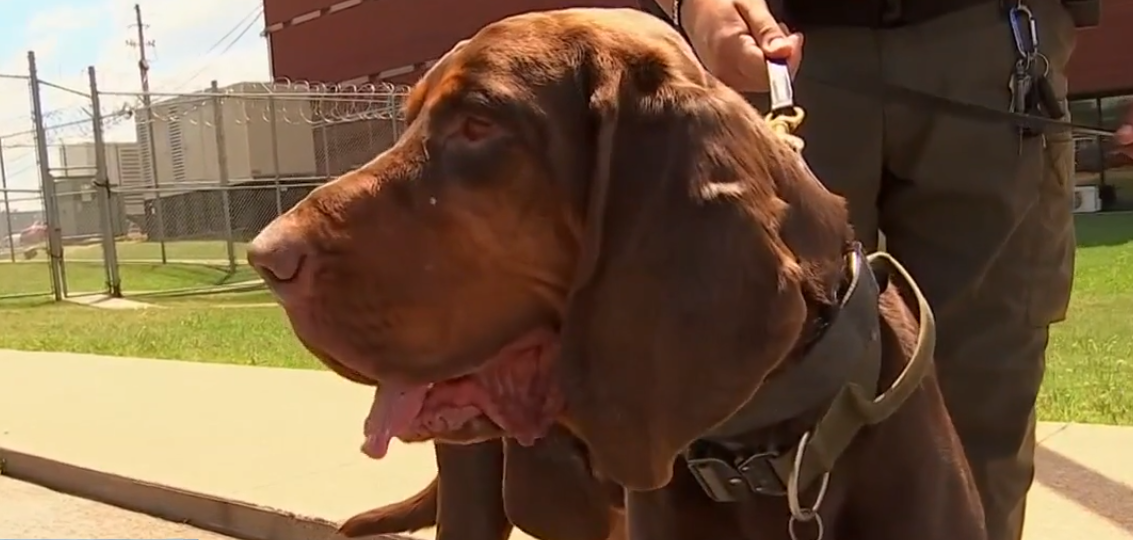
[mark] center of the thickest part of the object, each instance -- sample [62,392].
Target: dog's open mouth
[513,392]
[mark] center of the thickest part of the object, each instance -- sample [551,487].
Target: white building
[185,138]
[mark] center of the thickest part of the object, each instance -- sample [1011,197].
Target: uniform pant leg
[843,130]
[982,219]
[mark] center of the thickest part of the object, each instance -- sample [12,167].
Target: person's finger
[795,42]
[768,33]
[751,65]
[795,57]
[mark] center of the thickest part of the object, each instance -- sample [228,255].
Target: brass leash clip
[784,116]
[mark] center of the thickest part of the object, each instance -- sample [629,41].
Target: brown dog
[547,491]
[574,178]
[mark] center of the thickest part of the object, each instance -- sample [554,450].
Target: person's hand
[1124,138]
[734,38]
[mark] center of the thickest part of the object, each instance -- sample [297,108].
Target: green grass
[1089,374]
[32,277]
[184,250]
[215,251]
[250,336]
[255,298]
[1089,367]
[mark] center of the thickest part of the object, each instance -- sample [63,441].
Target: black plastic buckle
[724,482]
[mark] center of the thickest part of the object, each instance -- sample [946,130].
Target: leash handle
[784,117]
[782,90]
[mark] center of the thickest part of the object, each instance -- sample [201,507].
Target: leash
[784,116]
[1034,108]
[855,406]
[895,92]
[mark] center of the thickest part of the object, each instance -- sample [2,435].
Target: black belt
[876,14]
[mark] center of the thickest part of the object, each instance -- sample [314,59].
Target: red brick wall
[1103,61]
[343,45]
[383,34]
[281,11]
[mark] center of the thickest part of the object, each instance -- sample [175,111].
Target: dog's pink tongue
[394,408]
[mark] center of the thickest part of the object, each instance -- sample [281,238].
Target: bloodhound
[581,226]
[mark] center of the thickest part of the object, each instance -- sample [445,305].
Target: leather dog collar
[728,471]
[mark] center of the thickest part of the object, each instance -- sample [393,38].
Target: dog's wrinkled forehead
[541,48]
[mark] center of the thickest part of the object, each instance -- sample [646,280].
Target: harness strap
[852,408]
[857,403]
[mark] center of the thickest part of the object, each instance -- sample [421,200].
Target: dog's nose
[277,258]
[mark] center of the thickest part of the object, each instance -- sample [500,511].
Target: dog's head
[580,224]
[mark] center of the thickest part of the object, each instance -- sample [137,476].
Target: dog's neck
[816,230]
[820,310]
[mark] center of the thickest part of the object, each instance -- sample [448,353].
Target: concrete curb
[215,514]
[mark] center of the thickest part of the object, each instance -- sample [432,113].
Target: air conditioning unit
[1086,200]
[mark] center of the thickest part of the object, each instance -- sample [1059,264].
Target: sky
[194,42]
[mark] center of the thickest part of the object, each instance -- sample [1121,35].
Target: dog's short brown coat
[579,168]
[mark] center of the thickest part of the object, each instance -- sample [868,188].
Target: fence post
[222,164]
[393,109]
[275,154]
[7,204]
[151,151]
[326,145]
[103,193]
[47,186]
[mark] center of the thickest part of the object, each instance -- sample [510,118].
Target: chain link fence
[166,205]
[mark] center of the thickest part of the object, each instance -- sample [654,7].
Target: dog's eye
[477,128]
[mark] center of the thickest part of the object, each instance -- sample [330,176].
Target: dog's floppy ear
[687,294]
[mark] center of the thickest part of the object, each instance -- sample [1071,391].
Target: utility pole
[147,104]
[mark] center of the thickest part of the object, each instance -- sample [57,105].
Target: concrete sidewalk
[30,511]
[273,453]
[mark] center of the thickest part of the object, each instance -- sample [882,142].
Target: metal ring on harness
[798,513]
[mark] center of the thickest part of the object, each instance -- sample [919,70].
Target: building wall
[123,167]
[278,11]
[187,159]
[185,137]
[317,40]
[378,35]
[1101,63]
[288,140]
[122,161]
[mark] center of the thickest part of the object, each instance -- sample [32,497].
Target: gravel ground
[31,512]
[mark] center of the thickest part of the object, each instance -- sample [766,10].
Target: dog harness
[839,370]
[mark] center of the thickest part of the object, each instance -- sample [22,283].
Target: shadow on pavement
[1088,488]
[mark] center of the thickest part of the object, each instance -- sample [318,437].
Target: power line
[248,21]
[256,11]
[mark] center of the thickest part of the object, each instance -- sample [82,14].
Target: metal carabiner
[1026,37]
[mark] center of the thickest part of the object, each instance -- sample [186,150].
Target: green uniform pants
[979,215]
